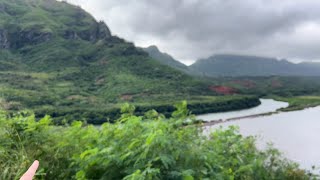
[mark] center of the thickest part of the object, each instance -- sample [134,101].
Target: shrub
[136,147]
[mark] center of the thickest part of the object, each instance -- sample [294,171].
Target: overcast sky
[193,29]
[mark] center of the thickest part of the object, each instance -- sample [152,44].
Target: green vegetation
[136,147]
[198,105]
[299,92]
[251,75]
[299,102]
[271,86]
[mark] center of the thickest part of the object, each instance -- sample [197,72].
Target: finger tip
[35,163]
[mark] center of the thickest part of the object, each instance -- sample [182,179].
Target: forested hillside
[251,75]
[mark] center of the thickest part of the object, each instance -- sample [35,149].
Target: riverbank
[207,105]
[266,106]
[294,104]
[299,102]
[215,122]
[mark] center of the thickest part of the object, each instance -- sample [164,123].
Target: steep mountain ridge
[165,58]
[29,22]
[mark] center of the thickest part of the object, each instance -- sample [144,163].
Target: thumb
[31,171]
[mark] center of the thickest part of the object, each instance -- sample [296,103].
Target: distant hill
[56,59]
[166,59]
[239,65]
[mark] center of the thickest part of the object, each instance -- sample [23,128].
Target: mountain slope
[165,58]
[238,65]
[56,58]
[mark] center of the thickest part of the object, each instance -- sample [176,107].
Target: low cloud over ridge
[192,29]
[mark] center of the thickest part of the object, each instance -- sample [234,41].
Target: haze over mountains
[239,65]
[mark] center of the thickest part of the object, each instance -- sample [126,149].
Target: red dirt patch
[223,90]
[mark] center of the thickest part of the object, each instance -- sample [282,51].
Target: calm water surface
[267,105]
[296,134]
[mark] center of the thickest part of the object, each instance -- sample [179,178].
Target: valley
[63,73]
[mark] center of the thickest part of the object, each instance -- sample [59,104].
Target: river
[266,106]
[296,134]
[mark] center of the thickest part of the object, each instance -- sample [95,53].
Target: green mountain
[166,59]
[57,59]
[238,65]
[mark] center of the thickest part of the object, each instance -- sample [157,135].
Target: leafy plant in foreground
[136,147]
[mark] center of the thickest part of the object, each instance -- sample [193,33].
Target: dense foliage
[198,105]
[136,147]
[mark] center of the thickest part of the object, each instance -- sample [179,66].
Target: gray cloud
[192,29]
